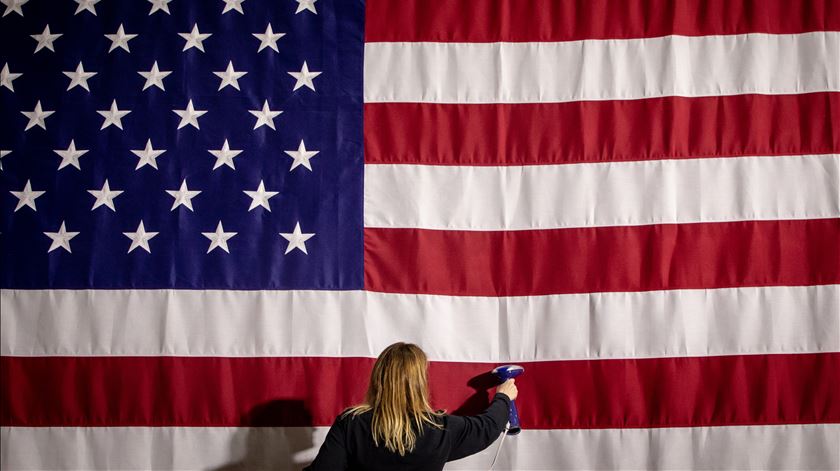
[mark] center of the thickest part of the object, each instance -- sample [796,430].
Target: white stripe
[602,194]
[466,329]
[601,69]
[133,448]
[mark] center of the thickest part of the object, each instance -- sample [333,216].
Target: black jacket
[349,443]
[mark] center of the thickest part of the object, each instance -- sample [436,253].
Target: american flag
[216,213]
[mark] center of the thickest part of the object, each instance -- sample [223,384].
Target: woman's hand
[508,388]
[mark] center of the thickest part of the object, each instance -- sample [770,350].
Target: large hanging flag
[216,213]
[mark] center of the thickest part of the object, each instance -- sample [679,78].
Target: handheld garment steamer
[504,373]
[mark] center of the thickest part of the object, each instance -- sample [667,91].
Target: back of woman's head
[398,396]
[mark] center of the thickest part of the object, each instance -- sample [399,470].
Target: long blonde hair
[398,395]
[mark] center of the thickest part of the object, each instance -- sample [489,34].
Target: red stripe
[583,260]
[552,20]
[599,131]
[201,391]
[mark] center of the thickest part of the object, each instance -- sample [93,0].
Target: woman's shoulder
[353,416]
[355,412]
[441,418]
[350,421]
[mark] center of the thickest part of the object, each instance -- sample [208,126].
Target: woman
[396,428]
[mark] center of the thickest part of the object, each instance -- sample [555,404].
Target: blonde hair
[398,396]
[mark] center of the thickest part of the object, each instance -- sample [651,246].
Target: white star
[13,6]
[37,117]
[160,5]
[148,156]
[268,39]
[301,156]
[260,197]
[304,77]
[6,77]
[183,196]
[113,116]
[189,116]
[86,5]
[154,77]
[60,239]
[233,5]
[306,5]
[45,39]
[218,238]
[229,77]
[27,196]
[265,117]
[120,39]
[105,197]
[70,156]
[194,38]
[224,156]
[140,238]
[79,77]
[297,239]
[3,153]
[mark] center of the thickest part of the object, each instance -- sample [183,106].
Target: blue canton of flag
[156,144]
